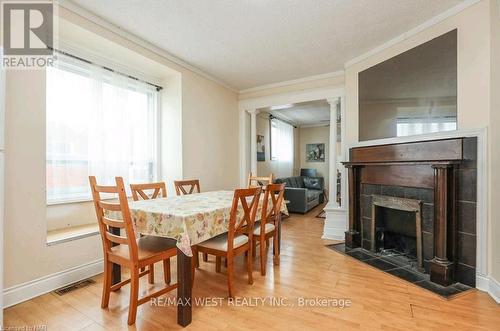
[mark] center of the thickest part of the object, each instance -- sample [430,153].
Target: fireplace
[396,228]
[416,199]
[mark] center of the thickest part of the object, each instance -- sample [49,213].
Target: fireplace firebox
[396,227]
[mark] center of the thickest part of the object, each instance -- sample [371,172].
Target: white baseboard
[489,285]
[494,290]
[335,223]
[333,234]
[22,292]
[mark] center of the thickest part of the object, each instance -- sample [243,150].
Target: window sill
[59,236]
[82,200]
[68,201]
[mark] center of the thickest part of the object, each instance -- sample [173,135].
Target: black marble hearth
[401,266]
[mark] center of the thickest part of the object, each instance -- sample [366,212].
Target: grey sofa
[303,192]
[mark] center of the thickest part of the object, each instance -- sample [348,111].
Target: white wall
[473,67]
[209,151]
[478,86]
[264,168]
[495,141]
[313,135]
[2,192]
[210,133]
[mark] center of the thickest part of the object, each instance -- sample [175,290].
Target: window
[414,126]
[282,146]
[98,123]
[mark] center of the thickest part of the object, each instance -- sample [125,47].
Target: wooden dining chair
[124,249]
[268,225]
[256,181]
[138,191]
[143,192]
[183,187]
[235,242]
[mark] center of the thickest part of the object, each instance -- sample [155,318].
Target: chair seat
[147,247]
[220,242]
[268,228]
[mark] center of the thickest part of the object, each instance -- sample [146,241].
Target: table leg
[279,237]
[117,269]
[184,295]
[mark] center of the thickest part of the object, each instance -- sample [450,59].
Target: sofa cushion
[279,181]
[312,195]
[284,180]
[312,183]
[296,181]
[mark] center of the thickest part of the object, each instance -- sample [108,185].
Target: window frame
[77,69]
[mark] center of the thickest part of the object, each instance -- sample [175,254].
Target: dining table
[190,220]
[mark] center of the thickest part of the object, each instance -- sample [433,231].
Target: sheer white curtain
[98,123]
[282,140]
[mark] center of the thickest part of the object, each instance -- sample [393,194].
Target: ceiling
[251,43]
[303,113]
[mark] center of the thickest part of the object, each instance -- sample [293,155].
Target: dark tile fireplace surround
[413,205]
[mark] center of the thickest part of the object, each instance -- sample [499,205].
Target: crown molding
[74,8]
[424,26]
[294,81]
[313,125]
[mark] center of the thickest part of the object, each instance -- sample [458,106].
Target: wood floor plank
[307,270]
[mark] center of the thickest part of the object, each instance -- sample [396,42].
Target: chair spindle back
[242,219]
[256,181]
[272,211]
[114,231]
[183,187]
[160,191]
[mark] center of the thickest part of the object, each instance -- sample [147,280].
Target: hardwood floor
[308,269]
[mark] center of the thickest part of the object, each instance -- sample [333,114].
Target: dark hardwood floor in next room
[308,269]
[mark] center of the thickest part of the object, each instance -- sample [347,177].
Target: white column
[343,156]
[332,188]
[253,140]
[336,216]
[244,148]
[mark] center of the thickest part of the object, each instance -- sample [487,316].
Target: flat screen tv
[412,93]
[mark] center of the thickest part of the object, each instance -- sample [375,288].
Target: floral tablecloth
[190,219]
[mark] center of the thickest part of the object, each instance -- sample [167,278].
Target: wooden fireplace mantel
[424,164]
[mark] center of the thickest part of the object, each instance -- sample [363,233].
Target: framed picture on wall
[261,148]
[315,152]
